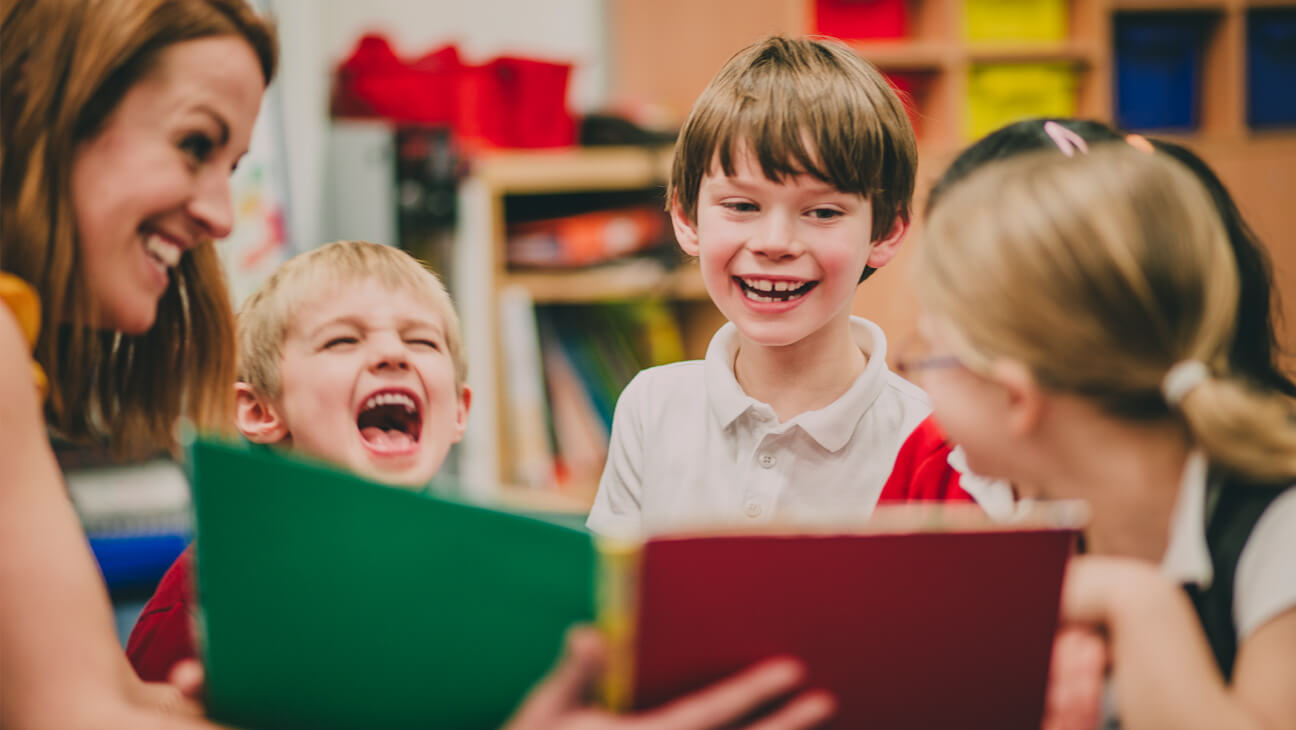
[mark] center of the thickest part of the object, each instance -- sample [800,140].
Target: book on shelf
[528,421]
[327,601]
[590,353]
[586,238]
[917,619]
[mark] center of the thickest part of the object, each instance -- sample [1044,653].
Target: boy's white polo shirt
[689,447]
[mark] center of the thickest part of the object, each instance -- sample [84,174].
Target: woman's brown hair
[65,65]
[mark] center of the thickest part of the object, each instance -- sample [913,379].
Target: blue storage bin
[135,563]
[1158,69]
[1271,67]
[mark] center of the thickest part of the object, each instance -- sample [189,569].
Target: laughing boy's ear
[257,418]
[685,229]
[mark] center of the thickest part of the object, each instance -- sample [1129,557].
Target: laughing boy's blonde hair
[265,317]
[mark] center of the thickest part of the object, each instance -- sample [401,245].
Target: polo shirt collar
[832,425]
[1187,558]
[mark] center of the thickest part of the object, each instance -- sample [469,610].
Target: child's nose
[390,355]
[775,237]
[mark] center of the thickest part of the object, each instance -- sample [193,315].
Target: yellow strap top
[21,299]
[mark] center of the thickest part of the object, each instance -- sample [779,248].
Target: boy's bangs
[801,141]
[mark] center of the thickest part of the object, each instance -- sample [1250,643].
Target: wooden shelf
[573,169]
[902,55]
[1080,54]
[625,280]
[1174,6]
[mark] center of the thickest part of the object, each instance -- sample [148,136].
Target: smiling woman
[120,121]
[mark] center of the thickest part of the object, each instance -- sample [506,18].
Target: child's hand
[1096,586]
[188,678]
[561,702]
[1076,680]
[170,699]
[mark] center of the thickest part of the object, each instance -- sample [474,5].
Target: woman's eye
[198,146]
[426,343]
[339,342]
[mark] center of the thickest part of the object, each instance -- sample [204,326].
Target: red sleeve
[163,634]
[922,472]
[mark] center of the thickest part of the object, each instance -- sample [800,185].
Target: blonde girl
[1080,313]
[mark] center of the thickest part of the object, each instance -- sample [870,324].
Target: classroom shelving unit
[481,272]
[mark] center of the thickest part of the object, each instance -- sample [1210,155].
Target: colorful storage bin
[860,19]
[1000,94]
[1015,20]
[1271,67]
[1158,69]
[505,102]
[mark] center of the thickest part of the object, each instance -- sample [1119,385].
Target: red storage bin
[515,102]
[862,18]
[506,102]
[375,82]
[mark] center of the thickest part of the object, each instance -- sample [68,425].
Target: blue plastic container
[1158,69]
[133,564]
[1271,67]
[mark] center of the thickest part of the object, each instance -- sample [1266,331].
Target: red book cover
[908,630]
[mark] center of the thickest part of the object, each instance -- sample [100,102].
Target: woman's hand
[561,700]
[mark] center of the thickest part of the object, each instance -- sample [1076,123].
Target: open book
[925,617]
[328,601]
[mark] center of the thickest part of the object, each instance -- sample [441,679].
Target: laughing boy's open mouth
[390,420]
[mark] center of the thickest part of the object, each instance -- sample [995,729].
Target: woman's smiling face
[153,182]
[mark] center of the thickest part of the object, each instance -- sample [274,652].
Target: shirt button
[767,460]
[753,510]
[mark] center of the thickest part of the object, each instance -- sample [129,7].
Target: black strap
[1233,508]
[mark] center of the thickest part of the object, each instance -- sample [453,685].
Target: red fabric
[922,472]
[163,634]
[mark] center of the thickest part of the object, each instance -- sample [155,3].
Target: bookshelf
[482,272]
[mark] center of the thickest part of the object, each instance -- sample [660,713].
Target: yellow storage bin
[999,94]
[1015,20]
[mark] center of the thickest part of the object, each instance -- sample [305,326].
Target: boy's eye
[198,146]
[824,214]
[739,206]
[426,343]
[340,342]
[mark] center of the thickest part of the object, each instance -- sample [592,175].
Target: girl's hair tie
[1181,379]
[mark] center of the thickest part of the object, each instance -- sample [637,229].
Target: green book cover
[328,601]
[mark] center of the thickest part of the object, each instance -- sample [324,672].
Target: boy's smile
[766,290]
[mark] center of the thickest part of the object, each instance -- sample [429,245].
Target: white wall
[316,34]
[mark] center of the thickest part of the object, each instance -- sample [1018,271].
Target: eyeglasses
[915,356]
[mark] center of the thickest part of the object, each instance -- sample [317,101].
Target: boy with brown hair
[792,182]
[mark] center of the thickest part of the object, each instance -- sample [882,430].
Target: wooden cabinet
[481,273]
